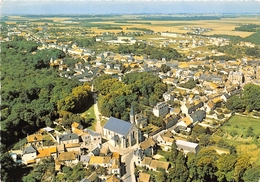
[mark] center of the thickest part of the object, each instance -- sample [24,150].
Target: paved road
[97,113]
[129,167]
[127,160]
[127,154]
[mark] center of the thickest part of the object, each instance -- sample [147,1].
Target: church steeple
[132,114]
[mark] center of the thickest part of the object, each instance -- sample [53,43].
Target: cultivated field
[218,26]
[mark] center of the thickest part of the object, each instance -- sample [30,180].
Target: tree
[7,167]
[206,164]
[164,68]
[242,163]
[251,97]
[252,174]
[161,176]
[179,173]
[174,152]
[225,165]
[235,103]
[204,140]
[190,84]
[43,170]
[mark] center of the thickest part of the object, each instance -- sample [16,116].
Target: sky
[20,7]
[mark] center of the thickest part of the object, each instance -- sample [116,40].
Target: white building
[161,109]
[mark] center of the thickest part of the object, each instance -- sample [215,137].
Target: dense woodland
[206,166]
[33,95]
[248,28]
[116,98]
[248,100]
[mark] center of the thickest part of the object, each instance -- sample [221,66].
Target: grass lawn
[242,132]
[241,124]
[90,114]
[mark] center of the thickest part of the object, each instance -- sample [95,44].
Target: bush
[233,133]
[221,116]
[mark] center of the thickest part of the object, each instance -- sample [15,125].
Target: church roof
[118,126]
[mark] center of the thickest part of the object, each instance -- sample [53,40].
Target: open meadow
[243,133]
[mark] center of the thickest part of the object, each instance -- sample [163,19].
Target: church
[121,133]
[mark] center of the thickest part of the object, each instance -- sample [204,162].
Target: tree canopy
[32,93]
[117,96]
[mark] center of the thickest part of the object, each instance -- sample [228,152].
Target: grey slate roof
[69,136]
[29,149]
[91,132]
[118,126]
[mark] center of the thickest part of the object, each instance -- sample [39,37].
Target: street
[129,167]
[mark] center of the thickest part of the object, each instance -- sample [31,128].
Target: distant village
[218,80]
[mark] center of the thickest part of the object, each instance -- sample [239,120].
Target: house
[115,167]
[121,133]
[168,96]
[146,162]
[68,158]
[84,159]
[186,122]
[90,137]
[156,165]
[113,178]
[171,120]
[148,147]
[68,138]
[197,116]
[61,148]
[161,109]
[138,155]
[210,106]
[76,125]
[111,162]
[35,139]
[104,151]
[165,140]
[140,120]
[70,147]
[177,128]
[95,151]
[29,154]
[187,146]
[57,165]
[236,77]
[175,111]
[91,178]
[188,107]
[225,97]
[46,152]
[144,177]
[117,67]
[99,160]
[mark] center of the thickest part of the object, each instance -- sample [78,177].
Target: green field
[241,124]
[90,114]
[243,133]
